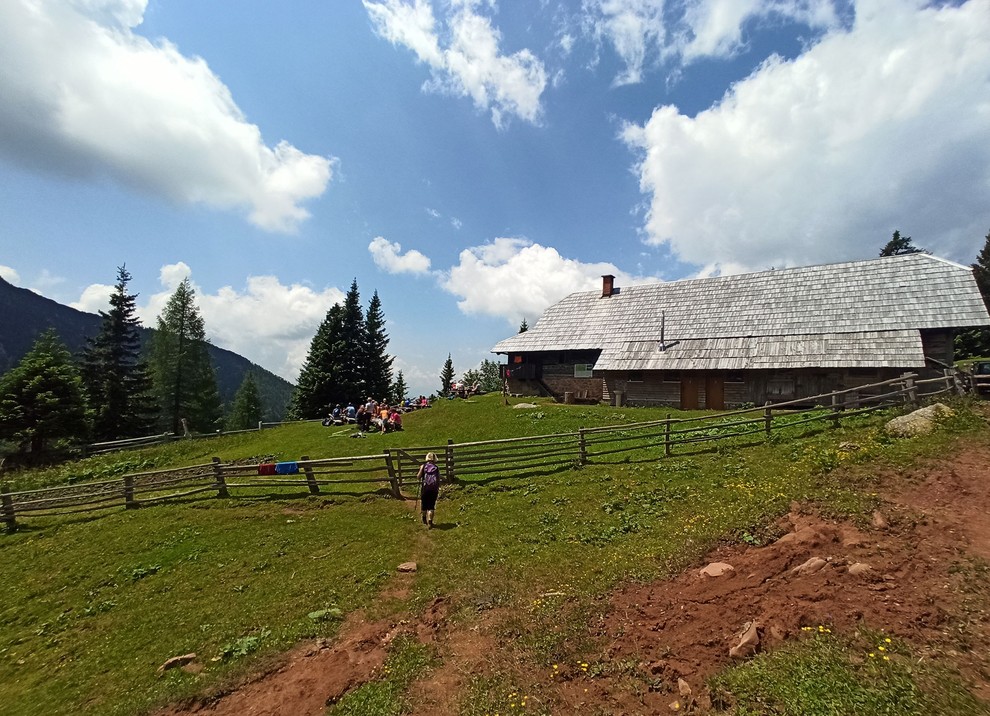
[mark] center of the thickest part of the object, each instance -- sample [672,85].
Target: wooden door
[689,391]
[714,392]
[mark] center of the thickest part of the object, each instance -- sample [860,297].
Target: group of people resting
[372,416]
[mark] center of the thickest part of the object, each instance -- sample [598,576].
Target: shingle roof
[885,301]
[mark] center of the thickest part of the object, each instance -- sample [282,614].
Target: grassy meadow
[91,605]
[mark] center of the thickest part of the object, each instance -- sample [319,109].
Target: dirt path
[905,574]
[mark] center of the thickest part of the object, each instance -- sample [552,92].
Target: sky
[474,161]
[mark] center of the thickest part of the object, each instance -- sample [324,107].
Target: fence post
[261,425]
[952,381]
[582,448]
[218,478]
[911,388]
[129,502]
[310,477]
[666,436]
[8,508]
[450,460]
[392,479]
[837,406]
[767,418]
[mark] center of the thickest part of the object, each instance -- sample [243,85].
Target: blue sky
[471,160]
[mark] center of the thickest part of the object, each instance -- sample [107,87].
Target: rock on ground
[919,422]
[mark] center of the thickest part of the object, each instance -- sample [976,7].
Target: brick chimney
[608,281]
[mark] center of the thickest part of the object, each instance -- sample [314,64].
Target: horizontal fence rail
[395,470]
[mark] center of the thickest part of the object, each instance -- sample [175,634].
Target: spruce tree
[899,245]
[351,378]
[523,327]
[399,389]
[246,410]
[446,377]
[975,342]
[184,380]
[317,387]
[378,363]
[42,397]
[118,386]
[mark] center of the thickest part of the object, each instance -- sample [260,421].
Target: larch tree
[183,377]
[115,377]
[42,397]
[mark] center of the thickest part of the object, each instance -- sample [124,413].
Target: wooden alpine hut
[730,341]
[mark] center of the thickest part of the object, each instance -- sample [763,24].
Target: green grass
[407,661]
[831,676]
[90,607]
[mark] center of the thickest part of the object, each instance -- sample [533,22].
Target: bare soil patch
[921,550]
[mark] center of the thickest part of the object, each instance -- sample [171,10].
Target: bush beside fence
[396,468]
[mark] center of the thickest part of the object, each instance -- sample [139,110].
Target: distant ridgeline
[24,315]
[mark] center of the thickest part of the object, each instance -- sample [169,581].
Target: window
[635,376]
[583,370]
[671,376]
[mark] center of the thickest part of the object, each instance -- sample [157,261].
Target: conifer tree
[399,389]
[523,327]
[899,245]
[446,377]
[975,342]
[42,397]
[118,386]
[351,377]
[246,410]
[184,380]
[378,363]
[317,386]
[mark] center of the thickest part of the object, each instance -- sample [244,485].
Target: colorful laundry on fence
[286,468]
[266,468]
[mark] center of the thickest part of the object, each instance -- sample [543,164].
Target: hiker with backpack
[429,487]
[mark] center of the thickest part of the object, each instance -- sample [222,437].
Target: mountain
[24,315]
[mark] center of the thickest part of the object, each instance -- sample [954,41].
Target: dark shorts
[428,496]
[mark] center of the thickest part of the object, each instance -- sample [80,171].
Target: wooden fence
[395,470]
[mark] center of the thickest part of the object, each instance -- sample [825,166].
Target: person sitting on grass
[395,420]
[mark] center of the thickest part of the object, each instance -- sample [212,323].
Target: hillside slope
[24,315]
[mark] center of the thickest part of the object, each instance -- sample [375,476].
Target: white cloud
[94,298]
[633,27]
[71,68]
[513,278]
[646,32]
[388,256]
[883,126]
[267,322]
[10,275]
[471,64]
[456,223]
